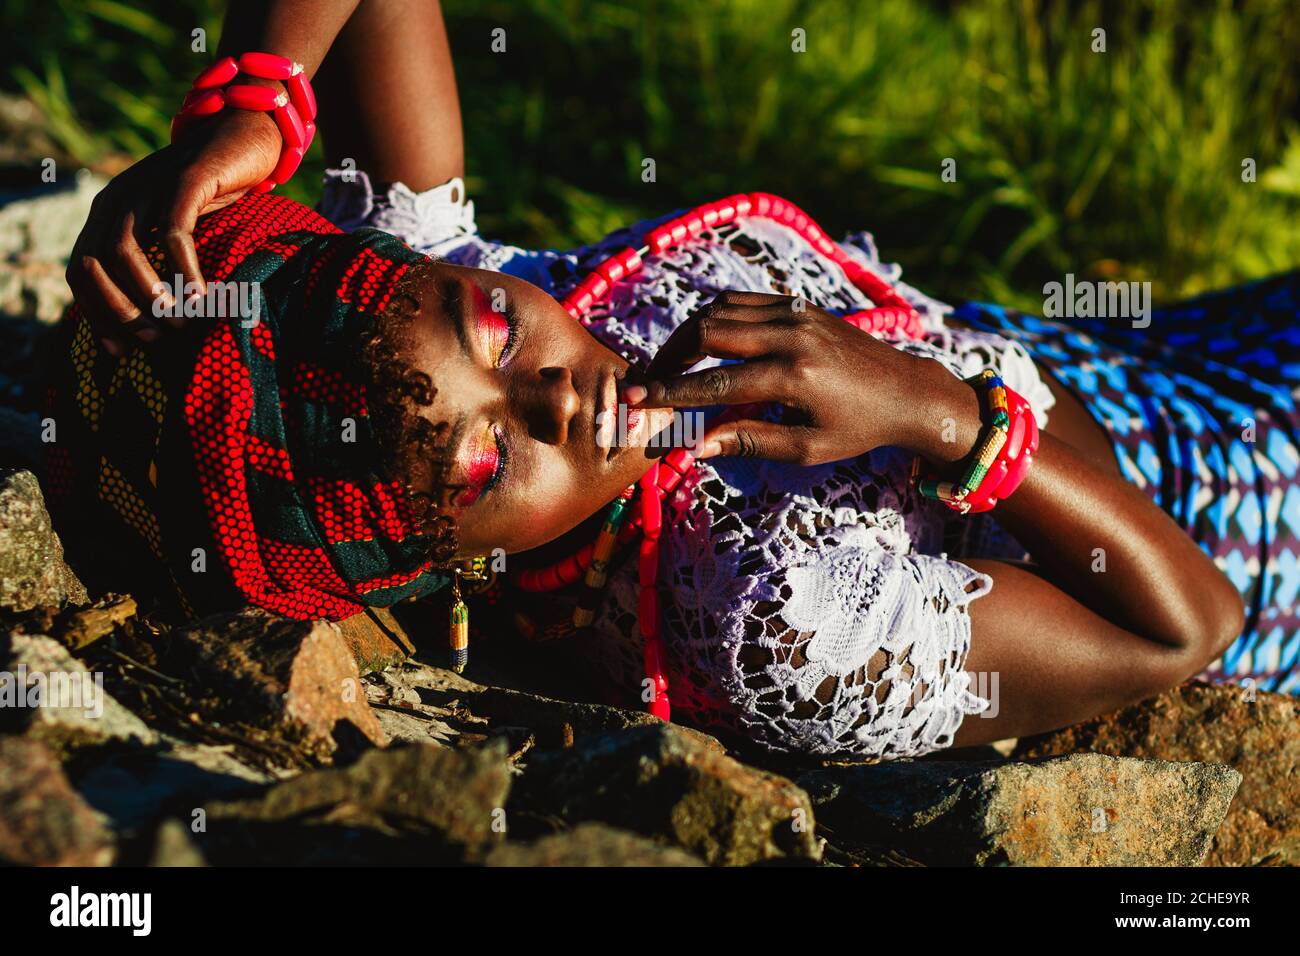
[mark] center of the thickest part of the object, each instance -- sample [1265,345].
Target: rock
[36,234]
[32,570]
[173,846]
[375,639]
[590,844]
[669,785]
[48,695]
[1212,723]
[415,803]
[43,821]
[271,672]
[1079,810]
[559,723]
[133,788]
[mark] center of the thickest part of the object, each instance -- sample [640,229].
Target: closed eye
[496,327]
[484,464]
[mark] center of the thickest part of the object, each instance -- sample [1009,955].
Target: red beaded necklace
[892,315]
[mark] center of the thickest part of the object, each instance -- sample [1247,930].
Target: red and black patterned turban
[243,439]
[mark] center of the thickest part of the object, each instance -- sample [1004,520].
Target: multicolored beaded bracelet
[294,110]
[1000,459]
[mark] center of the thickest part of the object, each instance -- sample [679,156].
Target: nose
[550,404]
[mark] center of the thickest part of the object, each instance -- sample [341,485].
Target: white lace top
[808,610]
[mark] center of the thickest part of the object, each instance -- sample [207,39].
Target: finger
[750,438]
[89,245]
[121,310]
[736,297]
[91,302]
[754,381]
[138,280]
[717,330]
[178,237]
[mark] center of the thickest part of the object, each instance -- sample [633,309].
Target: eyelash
[503,459]
[511,334]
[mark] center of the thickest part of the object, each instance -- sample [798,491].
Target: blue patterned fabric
[1200,407]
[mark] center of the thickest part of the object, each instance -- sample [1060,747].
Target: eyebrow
[459,308]
[455,444]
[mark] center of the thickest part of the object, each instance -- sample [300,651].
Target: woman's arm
[1121,602]
[386,91]
[388,97]
[389,102]
[1066,642]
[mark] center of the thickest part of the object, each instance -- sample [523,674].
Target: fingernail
[147,334]
[635,394]
[709,449]
[111,347]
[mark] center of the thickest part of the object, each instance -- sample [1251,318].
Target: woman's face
[531,400]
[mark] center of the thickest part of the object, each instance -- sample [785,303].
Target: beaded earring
[473,569]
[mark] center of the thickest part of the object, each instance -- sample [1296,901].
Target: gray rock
[590,844]
[32,570]
[671,786]
[134,787]
[1080,810]
[36,235]
[43,820]
[48,695]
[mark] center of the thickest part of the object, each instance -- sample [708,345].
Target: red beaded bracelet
[294,110]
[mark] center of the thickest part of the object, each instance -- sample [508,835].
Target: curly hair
[413,449]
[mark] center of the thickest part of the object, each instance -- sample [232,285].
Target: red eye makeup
[496,327]
[483,462]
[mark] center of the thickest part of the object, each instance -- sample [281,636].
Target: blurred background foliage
[1124,164]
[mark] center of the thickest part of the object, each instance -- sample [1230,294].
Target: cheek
[552,498]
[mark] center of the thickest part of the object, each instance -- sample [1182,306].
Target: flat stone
[1257,734]
[1078,810]
[414,803]
[134,787]
[43,820]
[590,844]
[33,572]
[66,706]
[560,723]
[375,639]
[672,787]
[277,673]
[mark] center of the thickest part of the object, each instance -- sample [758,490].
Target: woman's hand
[843,391]
[159,199]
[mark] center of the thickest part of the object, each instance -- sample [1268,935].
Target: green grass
[1123,164]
